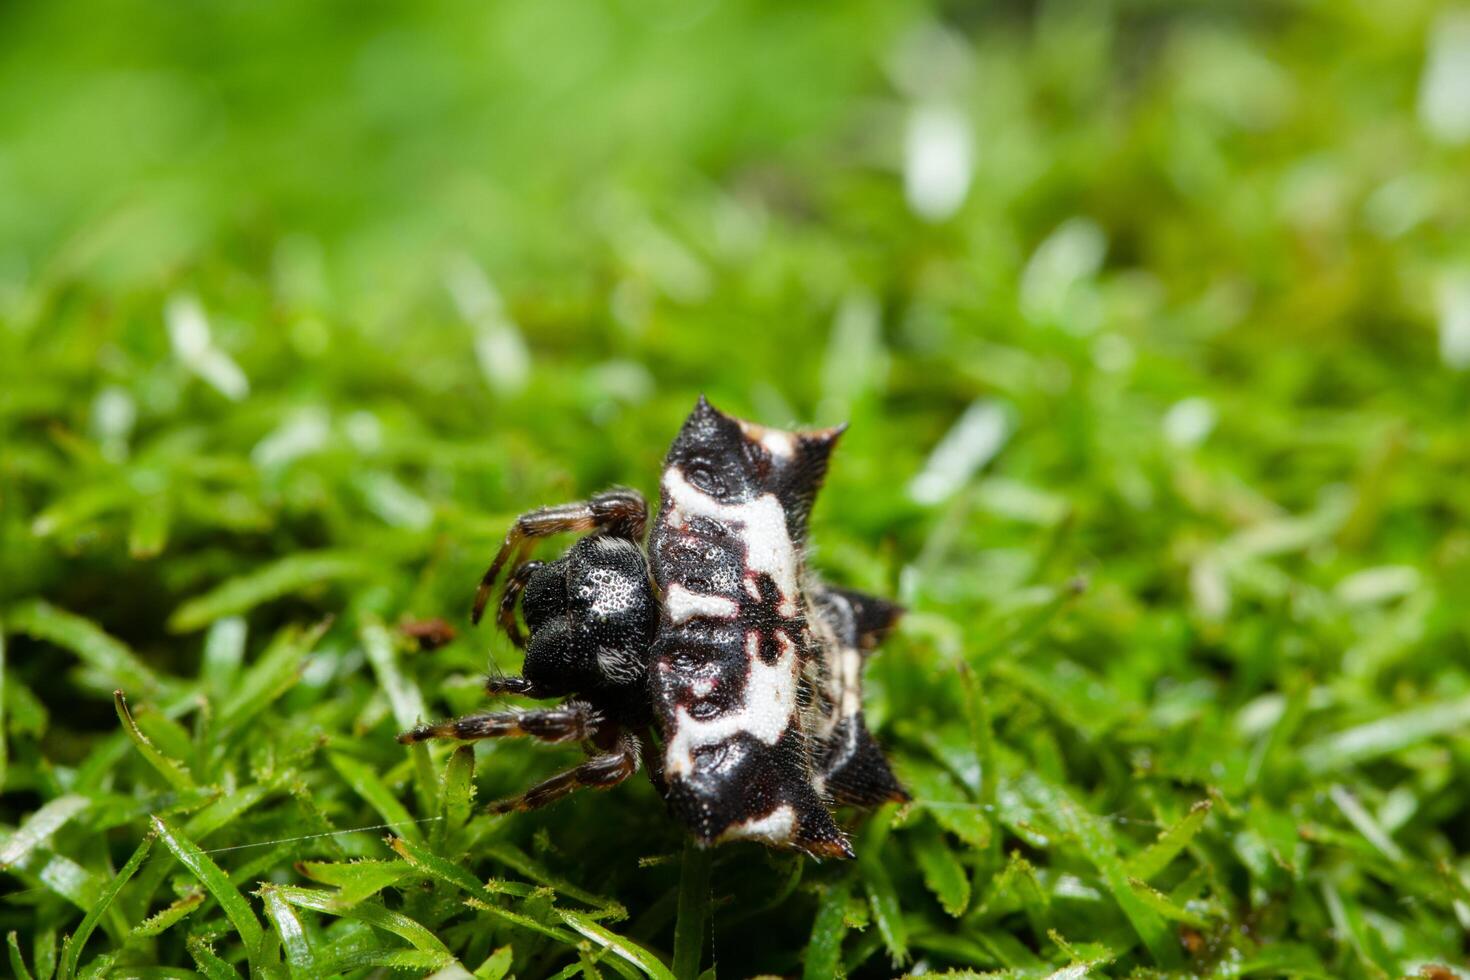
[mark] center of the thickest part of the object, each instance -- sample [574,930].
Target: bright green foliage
[1152,325]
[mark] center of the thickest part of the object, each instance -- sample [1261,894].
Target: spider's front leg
[568,722]
[599,772]
[619,512]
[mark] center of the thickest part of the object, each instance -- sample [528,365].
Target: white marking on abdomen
[760,524]
[765,714]
[776,827]
[684,605]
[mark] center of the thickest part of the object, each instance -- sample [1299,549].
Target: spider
[714,659]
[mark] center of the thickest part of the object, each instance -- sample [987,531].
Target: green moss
[1159,431]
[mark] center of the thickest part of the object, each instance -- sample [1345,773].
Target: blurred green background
[1152,321]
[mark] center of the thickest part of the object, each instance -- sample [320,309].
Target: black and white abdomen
[727,671]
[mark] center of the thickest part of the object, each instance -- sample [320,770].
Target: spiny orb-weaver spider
[719,643]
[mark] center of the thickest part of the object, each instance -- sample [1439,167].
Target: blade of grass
[1148,863]
[619,945]
[209,964]
[1164,906]
[1364,823]
[299,957]
[457,796]
[4,730]
[882,897]
[694,906]
[417,935]
[824,950]
[39,828]
[294,573]
[224,652]
[1385,736]
[109,656]
[403,694]
[524,921]
[1101,850]
[72,949]
[356,880]
[18,966]
[272,675]
[522,864]
[366,784]
[235,907]
[174,772]
[169,916]
[944,873]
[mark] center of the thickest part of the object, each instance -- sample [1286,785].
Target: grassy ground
[1159,430]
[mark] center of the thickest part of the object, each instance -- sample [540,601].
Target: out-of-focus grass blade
[824,950]
[944,874]
[17,962]
[42,621]
[403,694]
[366,784]
[457,798]
[619,945]
[693,913]
[174,772]
[81,506]
[39,828]
[62,875]
[209,964]
[299,958]
[72,948]
[408,707]
[887,911]
[235,907]
[1157,856]
[882,897]
[522,864]
[373,914]
[356,880]
[293,573]
[1164,906]
[148,532]
[1347,920]
[496,965]
[4,741]
[272,675]
[1385,736]
[1364,823]
[224,652]
[170,916]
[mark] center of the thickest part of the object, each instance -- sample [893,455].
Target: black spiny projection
[717,661]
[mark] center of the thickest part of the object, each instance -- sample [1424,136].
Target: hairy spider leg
[619,512]
[599,772]
[497,686]
[569,721]
[514,586]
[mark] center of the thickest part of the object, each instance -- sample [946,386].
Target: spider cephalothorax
[720,644]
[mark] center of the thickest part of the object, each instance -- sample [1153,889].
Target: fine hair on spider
[706,654]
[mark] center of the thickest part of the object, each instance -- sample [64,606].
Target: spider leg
[619,512]
[599,772]
[501,685]
[569,722]
[514,586]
